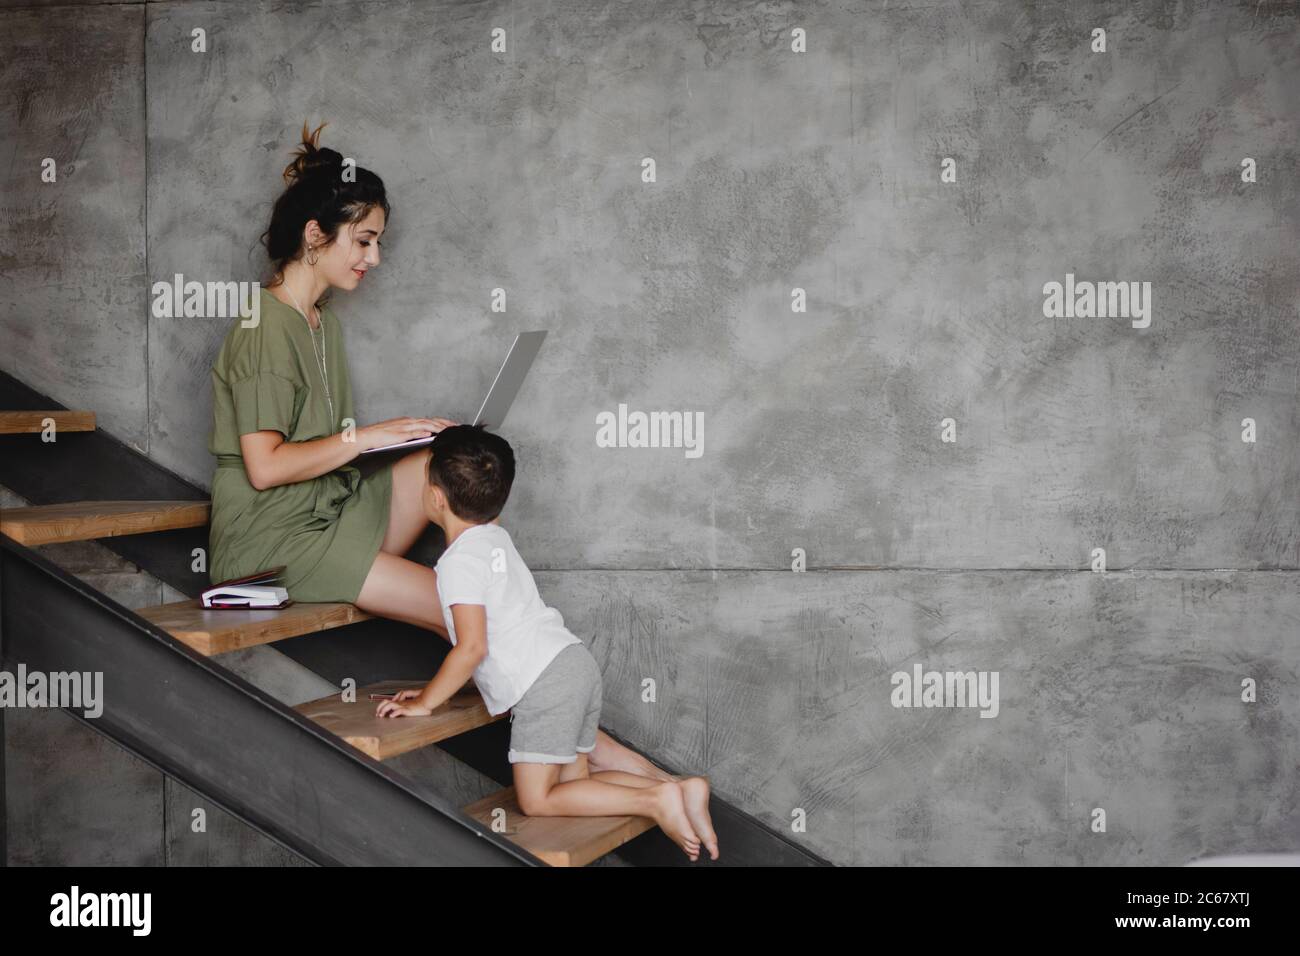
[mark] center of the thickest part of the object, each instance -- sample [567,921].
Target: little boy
[524,659]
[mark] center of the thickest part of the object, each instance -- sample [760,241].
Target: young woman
[284,492]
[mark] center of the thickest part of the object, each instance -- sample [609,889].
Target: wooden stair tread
[559,841]
[218,631]
[65,420]
[385,737]
[86,520]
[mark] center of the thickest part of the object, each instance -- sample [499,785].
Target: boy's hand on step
[391,708]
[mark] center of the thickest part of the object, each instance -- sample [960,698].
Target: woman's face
[346,261]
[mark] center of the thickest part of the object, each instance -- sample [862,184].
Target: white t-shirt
[523,634]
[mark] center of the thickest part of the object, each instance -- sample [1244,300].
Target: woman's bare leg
[406,518]
[397,588]
[405,591]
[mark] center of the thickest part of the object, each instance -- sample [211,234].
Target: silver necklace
[320,355]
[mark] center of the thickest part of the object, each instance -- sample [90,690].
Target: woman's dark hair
[475,470]
[318,191]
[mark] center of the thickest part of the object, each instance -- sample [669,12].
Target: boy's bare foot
[670,814]
[695,794]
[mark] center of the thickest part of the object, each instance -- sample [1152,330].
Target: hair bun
[325,158]
[311,159]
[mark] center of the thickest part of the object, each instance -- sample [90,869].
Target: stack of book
[248,592]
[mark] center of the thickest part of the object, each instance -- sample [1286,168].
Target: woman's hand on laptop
[397,430]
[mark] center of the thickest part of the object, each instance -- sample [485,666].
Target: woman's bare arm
[269,460]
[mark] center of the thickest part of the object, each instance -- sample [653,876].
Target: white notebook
[253,591]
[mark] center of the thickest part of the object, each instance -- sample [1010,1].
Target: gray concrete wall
[778,170]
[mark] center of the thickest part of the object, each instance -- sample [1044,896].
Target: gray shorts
[556,719]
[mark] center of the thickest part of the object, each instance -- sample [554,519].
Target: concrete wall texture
[958,546]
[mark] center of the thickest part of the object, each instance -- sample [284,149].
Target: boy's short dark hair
[475,470]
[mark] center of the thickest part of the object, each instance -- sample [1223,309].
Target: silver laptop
[501,394]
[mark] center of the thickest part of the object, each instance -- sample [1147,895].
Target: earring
[311,260]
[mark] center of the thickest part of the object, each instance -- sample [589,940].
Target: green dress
[325,530]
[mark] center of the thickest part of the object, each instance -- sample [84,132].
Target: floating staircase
[215,732]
